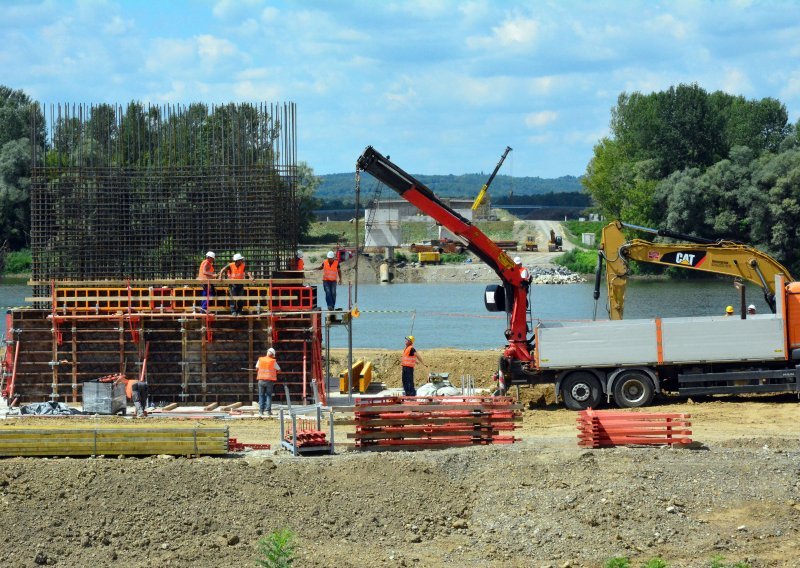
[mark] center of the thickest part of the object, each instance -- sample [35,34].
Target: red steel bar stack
[308,435]
[419,423]
[608,428]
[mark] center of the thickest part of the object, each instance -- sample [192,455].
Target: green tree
[307,184]
[18,114]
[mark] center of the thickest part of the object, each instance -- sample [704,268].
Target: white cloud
[736,82]
[213,49]
[231,9]
[539,119]
[117,26]
[515,32]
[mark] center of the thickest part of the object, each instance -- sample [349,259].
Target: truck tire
[581,390]
[633,389]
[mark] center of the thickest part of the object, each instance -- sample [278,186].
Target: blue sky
[442,86]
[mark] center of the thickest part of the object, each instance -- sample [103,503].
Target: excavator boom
[716,257]
[482,193]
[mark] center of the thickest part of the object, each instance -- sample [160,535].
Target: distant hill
[342,186]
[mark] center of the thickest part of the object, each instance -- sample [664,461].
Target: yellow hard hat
[410,338]
[729,310]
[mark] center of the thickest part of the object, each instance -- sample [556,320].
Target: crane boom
[514,285]
[716,257]
[482,193]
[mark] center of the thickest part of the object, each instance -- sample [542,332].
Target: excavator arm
[716,257]
[416,193]
[482,193]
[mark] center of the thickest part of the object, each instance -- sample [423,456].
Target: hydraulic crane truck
[511,296]
[624,360]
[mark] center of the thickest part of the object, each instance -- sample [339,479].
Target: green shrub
[400,256]
[276,550]
[655,563]
[618,562]
[18,262]
[453,258]
[578,260]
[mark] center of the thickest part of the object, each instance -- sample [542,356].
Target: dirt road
[541,502]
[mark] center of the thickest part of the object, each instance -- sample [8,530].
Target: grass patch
[578,260]
[453,258]
[276,550]
[716,562]
[574,230]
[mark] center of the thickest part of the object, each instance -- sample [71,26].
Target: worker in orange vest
[331,275]
[407,362]
[137,392]
[206,273]
[267,368]
[236,270]
[299,264]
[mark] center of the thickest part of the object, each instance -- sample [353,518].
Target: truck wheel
[633,389]
[581,391]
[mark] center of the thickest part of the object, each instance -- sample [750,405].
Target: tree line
[713,165]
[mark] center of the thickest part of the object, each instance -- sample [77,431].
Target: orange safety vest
[236,272]
[330,270]
[206,266]
[300,264]
[408,360]
[266,369]
[129,388]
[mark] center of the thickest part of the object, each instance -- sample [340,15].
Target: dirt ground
[540,502]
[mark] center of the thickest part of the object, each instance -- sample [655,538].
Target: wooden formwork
[187,356]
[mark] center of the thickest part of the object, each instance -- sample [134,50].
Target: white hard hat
[299,254]
[517,260]
[211,254]
[270,351]
[330,254]
[237,256]
[751,307]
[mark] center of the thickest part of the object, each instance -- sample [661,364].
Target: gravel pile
[556,275]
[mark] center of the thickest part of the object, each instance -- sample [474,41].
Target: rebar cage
[143,191]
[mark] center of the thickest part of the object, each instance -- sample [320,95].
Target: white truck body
[619,343]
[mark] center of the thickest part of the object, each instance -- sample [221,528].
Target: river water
[453,315]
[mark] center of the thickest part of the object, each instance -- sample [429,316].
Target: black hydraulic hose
[672,234]
[598,273]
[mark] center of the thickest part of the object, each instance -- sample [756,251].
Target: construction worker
[298,262]
[407,362]
[137,392]
[267,368]
[206,273]
[751,310]
[524,273]
[331,275]
[236,270]
[728,311]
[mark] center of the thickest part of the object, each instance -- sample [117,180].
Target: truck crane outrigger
[511,296]
[717,257]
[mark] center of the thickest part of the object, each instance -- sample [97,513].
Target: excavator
[511,296]
[696,253]
[482,193]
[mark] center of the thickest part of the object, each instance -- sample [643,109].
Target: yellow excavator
[717,257]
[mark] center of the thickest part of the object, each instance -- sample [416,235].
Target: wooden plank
[233,406]
[211,406]
[169,407]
